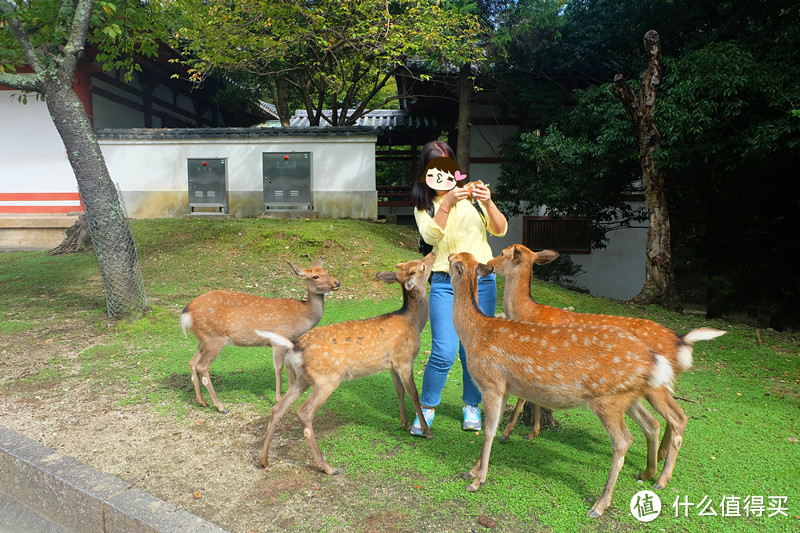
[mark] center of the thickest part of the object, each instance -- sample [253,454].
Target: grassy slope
[741,397]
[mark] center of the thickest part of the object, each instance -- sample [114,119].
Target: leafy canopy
[335,54]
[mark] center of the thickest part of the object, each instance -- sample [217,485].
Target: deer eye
[315,276]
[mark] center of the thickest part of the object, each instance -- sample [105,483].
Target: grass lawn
[742,396]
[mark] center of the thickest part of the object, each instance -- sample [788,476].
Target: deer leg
[195,377]
[514,417]
[537,421]
[406,377]
[319,394]
[650,427]
[201,372]
[666,440]
[277,361]
[492,409]
[611,416]
[278,410]
[663,402]
[401,399]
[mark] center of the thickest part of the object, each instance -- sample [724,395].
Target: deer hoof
[658,486]
[503,438]
[593,513]
[474,488]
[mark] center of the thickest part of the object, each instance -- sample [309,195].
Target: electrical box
[287,180]
[208,186]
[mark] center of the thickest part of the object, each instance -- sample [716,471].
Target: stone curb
[43,490]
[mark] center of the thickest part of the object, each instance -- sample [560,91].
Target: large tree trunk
[659,284]
[108,224]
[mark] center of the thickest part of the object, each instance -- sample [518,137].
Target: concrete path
[42,491]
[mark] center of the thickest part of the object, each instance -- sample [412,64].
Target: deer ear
[516,255]
[318,263]
[410,283]
[545,256]
[387,277]
[297,270]
[484,270]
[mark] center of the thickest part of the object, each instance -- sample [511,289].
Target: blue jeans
[445,343]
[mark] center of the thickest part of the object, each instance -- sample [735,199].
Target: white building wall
[32,156]
[153,174]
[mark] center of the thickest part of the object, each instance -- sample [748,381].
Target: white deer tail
[186,321]
[685,349]
[276,339]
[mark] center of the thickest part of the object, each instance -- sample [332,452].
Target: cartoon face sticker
[442,174]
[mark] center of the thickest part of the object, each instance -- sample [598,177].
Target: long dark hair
[421,194]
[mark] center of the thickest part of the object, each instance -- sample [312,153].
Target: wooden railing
[394,196]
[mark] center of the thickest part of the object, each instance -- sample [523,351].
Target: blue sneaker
[472,418]
[416,428]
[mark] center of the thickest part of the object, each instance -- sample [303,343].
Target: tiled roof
[378,118]
[229,133]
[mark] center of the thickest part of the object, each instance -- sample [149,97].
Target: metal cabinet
[208,186]
[287,180]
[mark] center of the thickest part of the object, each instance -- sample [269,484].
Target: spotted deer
[328,355]
[218,318]
[560,366]
[515,264]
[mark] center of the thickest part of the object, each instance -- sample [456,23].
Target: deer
[559,366]
[219,317]
[328,355]
[515,264]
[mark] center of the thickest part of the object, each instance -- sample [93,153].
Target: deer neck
[465,305]
[315,305]
[415,307]
[517,299]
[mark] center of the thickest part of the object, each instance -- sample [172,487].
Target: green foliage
[729,138]
[331,55]
[118,29]
[585,164]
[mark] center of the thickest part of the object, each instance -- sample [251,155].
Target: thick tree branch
[23,82]
[625,94]
[77,34]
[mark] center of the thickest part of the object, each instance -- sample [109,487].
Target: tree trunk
[659,284]
[546,418]
[108,224]
[464,118]
[76,239]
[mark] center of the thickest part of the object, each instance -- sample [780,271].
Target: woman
[448,219]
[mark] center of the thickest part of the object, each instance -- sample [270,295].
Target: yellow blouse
[465,232]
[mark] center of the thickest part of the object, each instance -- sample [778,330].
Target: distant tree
[49,38]
[334,57]
[659,280]
[729,138]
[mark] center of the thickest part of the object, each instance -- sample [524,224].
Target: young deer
[219,318]
[559,366]
[328,355]
[515,264]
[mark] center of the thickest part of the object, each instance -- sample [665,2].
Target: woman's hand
[455,195]
[482,192]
